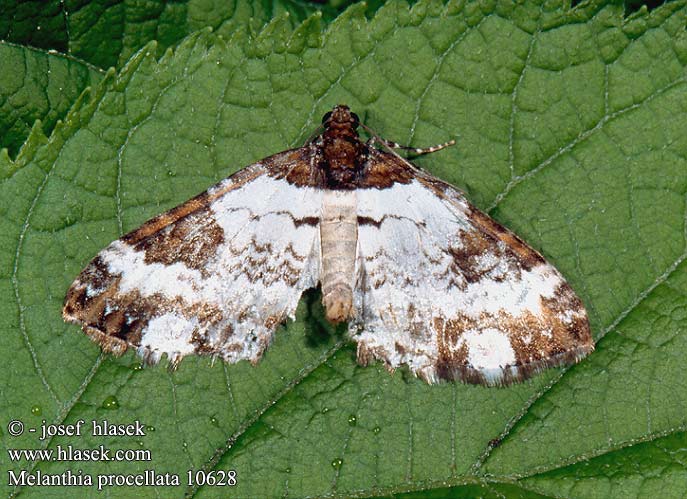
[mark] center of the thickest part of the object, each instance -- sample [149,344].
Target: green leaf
[570,127]
[655,468]
[36,85]
[38,23]
[42,86]
[107,33]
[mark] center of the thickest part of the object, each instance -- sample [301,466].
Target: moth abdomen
[339,240]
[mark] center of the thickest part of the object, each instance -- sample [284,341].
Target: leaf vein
[435,77]
[513,105]
[581,137]
[258,413]
[15,285]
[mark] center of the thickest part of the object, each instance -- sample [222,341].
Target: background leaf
[107,32]
[570,127]
[82,39]
[37,86]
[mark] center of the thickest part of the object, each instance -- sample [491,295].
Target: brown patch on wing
[203,346]
[312,221]
[297,166]
[366,354]
[538,341]
[383,170]
[527,257]
[88,310]
[195,204]
[117,320]
[363,220]
[210,315]
[468,258]
[97,276]
[192,240]
[561,304]
[449,358]
[79,303]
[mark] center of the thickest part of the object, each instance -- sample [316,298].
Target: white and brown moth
[423,278]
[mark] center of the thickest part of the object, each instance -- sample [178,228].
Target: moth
[422,278]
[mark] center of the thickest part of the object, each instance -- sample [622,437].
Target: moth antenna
[389,149]
[417,150]
[390,146]
[314,135]
[425,150]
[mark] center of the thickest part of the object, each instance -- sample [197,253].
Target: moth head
[341,115]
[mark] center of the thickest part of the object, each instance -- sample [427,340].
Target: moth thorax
[339,240]
[341,150]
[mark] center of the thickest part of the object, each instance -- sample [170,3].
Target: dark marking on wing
[382,170]
[199,202]
[538,341]
[192,240]
[297,166]
[528,257]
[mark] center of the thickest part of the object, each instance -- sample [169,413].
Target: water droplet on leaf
[111,402]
